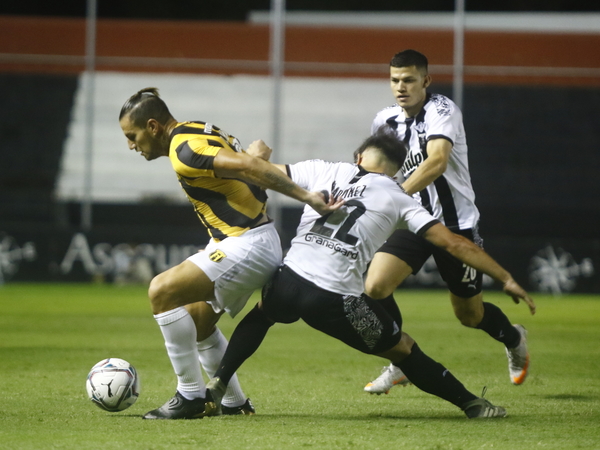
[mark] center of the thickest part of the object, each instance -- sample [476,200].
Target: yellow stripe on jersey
[236,191]
[194,164]
[214,205]
[227,207]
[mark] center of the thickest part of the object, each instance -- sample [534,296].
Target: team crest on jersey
[442,104]
[217,256]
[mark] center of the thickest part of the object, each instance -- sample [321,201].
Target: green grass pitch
[307,387]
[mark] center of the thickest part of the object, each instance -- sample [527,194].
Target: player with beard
[226,187]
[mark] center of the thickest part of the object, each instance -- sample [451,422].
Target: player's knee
[469,311]
[401,350]
[377,289]
[158,292]
[469,318]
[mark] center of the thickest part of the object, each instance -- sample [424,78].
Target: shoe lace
[487,406]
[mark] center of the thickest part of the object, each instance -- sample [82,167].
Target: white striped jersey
[450,198]
[332,251]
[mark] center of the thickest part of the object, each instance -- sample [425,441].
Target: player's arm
[230,164]
[261,150]
[475,257]
[438,154]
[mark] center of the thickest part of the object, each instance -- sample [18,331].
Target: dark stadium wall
[533,153]
[34,117]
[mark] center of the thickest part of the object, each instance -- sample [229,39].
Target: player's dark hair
[143,105]
[387,143]
[409,58]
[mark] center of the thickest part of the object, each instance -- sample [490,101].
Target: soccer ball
[113,384]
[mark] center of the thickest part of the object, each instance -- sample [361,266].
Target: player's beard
[158,146]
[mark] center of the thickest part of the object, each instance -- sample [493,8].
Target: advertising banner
[130,256]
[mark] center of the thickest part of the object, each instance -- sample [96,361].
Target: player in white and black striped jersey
[435,173]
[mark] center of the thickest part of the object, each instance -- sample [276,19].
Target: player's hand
[259,149]
[324,203]
[512,288]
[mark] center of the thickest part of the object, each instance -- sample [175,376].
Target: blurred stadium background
[75,205]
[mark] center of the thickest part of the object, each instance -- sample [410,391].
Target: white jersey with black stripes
[450,198]
[333,251]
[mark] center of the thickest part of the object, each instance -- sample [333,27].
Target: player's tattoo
[279,182]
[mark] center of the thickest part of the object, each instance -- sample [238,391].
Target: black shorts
[462,280]
[360,322]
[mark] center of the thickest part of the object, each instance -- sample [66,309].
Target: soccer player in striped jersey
[436,174]
[226,187]
[321,280]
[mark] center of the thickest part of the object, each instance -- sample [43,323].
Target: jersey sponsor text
[335,246]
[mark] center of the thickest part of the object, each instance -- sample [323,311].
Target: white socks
[210,352]
[179,331]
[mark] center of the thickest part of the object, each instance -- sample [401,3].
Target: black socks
[245,340]
[496,324]
[433,378]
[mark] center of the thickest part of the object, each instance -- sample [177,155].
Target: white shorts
[239,265]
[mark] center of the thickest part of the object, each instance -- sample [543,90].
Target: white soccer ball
[113,384]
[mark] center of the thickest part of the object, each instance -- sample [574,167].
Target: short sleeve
[195,158]
[413,216]
[443,119]
[308,174]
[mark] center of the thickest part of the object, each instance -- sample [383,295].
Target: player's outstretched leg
[244,341]
[390,376]
[210,353]
[433,378]
[518,358]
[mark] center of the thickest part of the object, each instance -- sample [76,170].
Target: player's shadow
[572,397]
[117,416]
[345,417]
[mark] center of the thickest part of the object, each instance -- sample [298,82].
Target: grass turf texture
[307,387]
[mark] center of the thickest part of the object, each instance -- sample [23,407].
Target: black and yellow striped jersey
[226,206]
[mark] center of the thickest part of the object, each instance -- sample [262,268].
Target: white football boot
[518,358]
[390,376]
